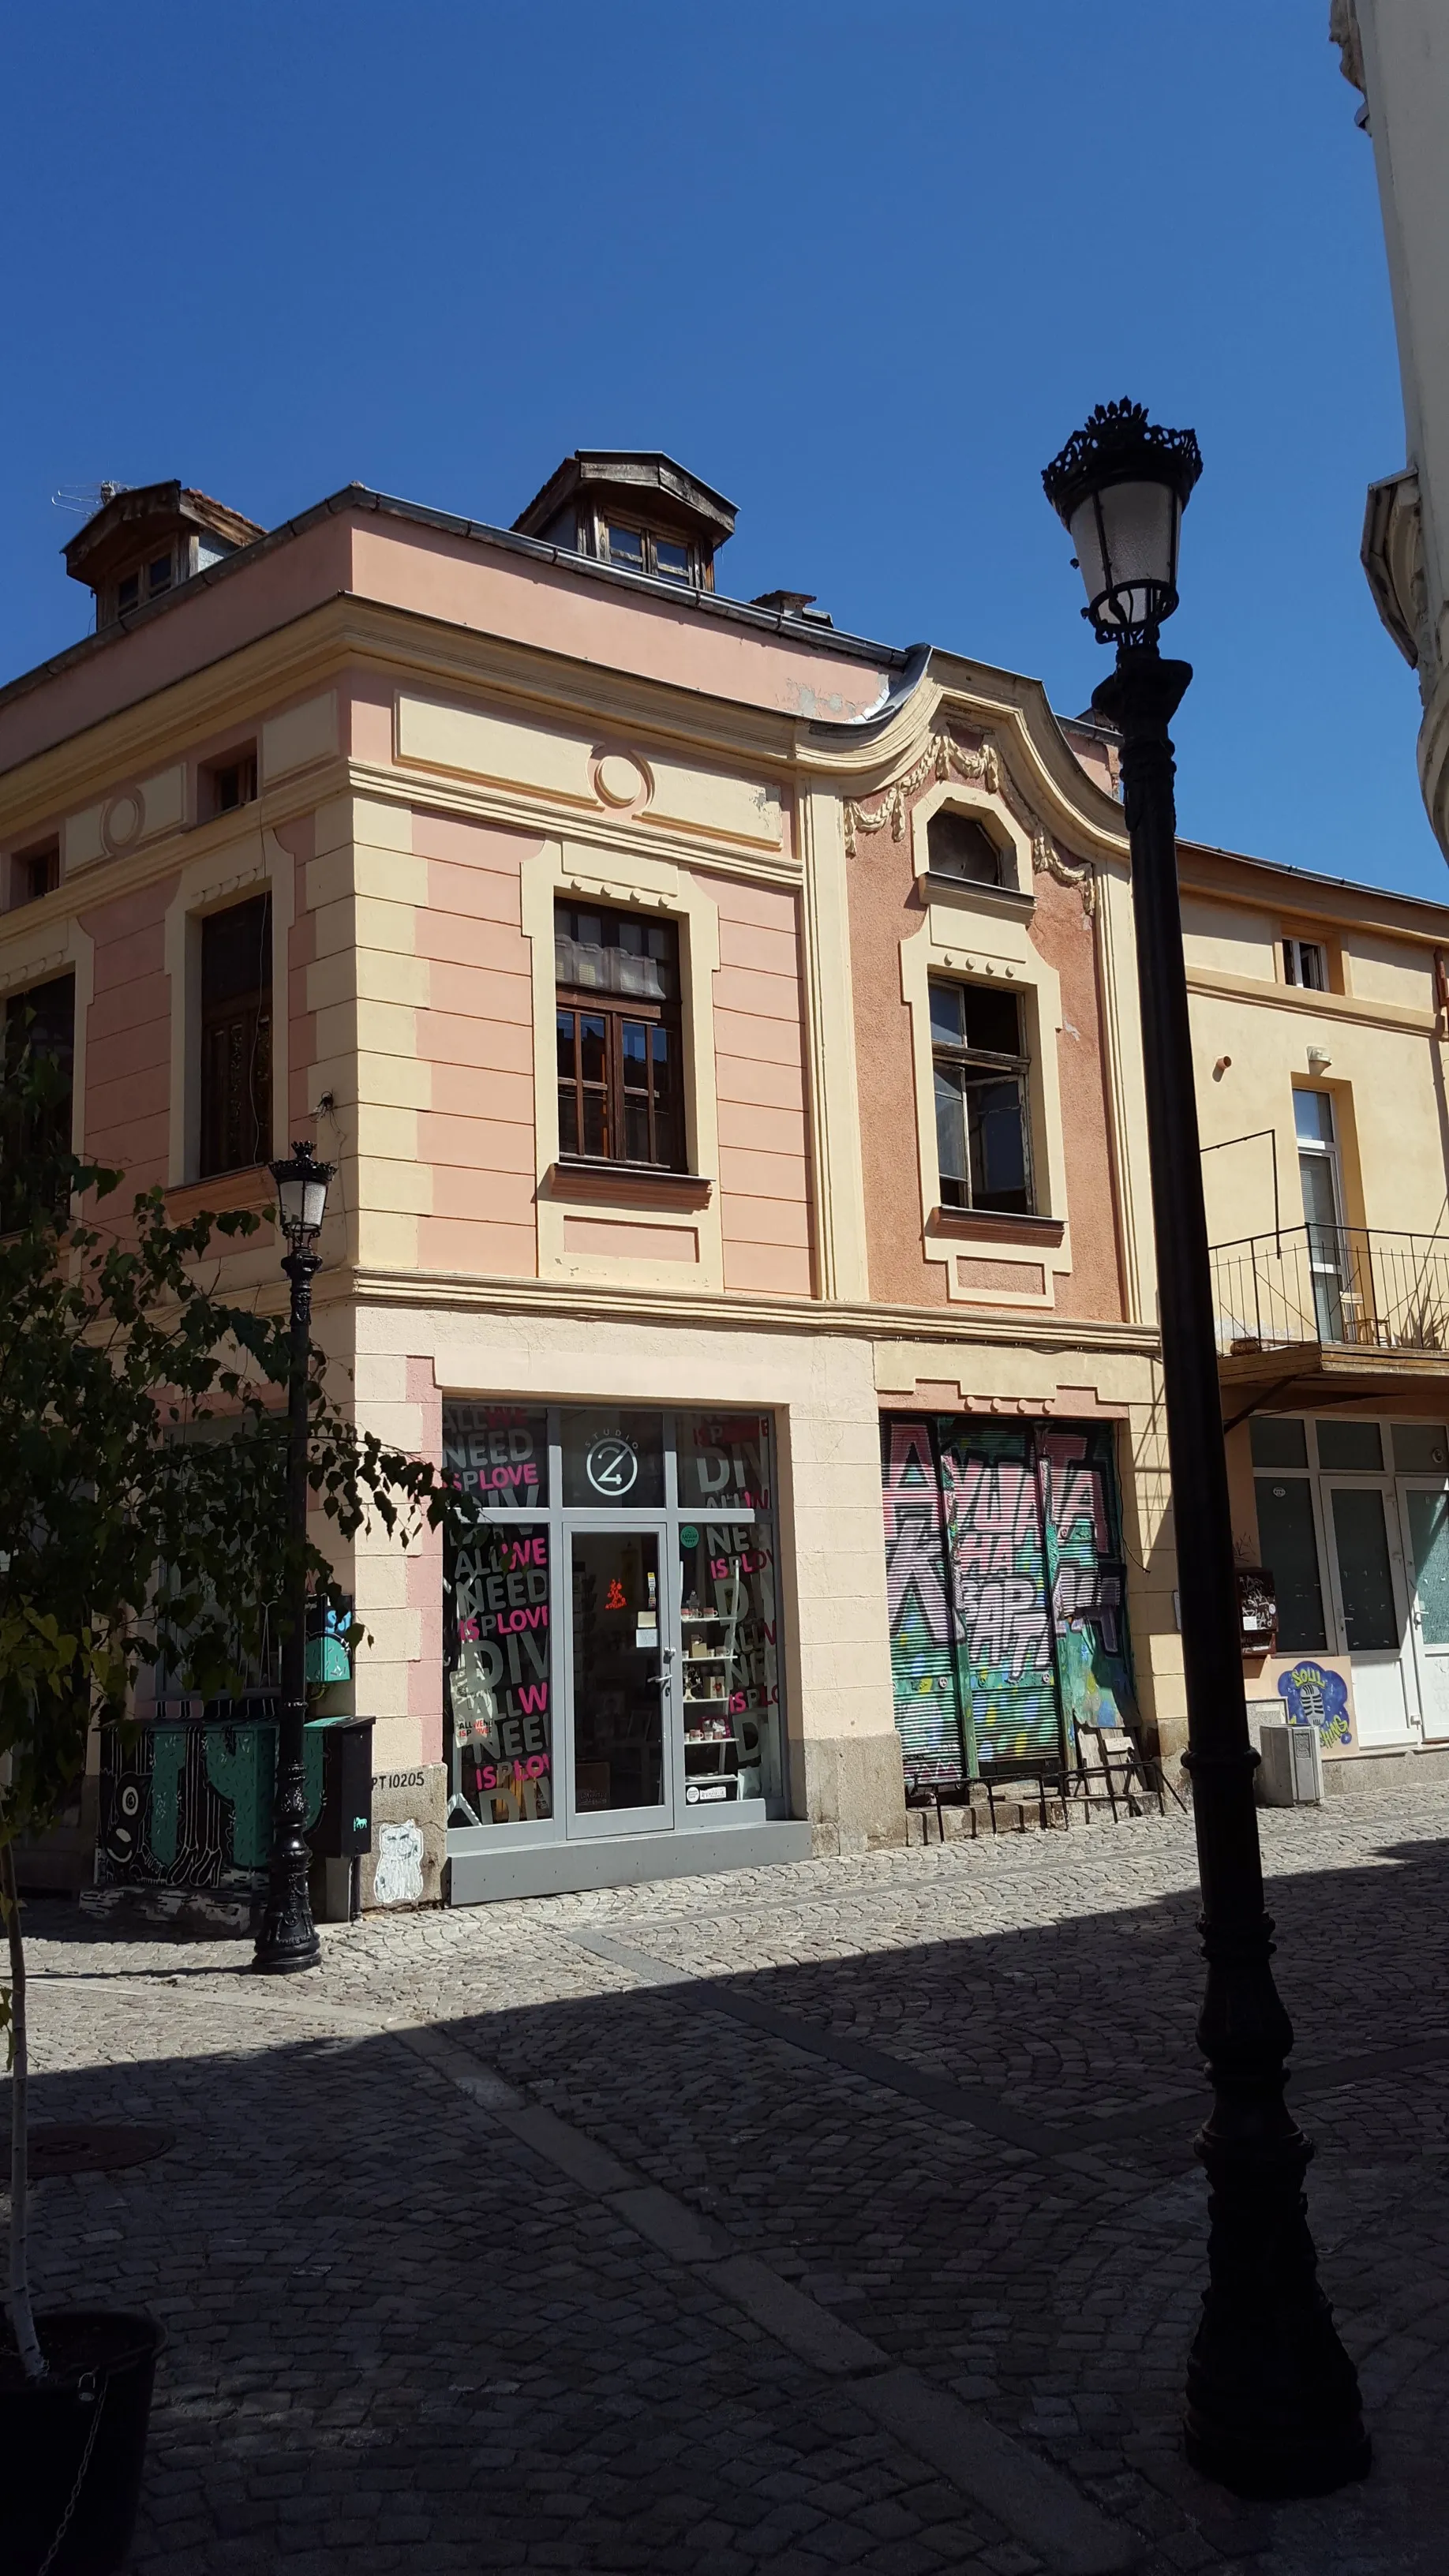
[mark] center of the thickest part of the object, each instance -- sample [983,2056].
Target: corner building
[724,1030]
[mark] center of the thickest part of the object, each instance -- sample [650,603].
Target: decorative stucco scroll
[940,757]
[1047,861]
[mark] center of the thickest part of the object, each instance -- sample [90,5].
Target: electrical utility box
[1291,1770]
[343,1830]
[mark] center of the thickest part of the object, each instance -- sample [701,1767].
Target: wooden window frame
[616,1010]
[45,1133]
[650,540]
[239,1026]
[34,872]
[146,588]
[966,1058]
[243,759]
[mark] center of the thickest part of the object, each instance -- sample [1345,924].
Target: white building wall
[1397,53]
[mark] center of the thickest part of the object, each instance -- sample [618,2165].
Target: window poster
[499,1672]
[612,1461]
[498,1453]
[724,1462]
[730,1661]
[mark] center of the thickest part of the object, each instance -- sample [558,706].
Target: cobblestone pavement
[841,2216]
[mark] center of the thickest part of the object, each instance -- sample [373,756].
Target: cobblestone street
[840,2216]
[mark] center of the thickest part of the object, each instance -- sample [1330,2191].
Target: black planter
[101,2369]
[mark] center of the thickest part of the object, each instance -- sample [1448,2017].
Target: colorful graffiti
[187,1802]
[1004,1581]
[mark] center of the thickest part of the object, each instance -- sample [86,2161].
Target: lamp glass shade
[302,1194]
[1126,541]
[1120,486]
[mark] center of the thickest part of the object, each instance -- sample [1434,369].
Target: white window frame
[1295,952]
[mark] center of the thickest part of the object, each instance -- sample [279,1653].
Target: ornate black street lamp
[1272,2397]
[288,1937]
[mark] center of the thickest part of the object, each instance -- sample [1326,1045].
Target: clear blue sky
[861,267]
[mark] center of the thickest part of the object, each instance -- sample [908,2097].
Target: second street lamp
[288,1937]
[1272,2397]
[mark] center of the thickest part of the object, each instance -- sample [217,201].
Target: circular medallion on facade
[122,820]
[612,1467]
[620,780]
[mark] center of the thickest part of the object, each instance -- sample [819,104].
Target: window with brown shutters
[236,1037]
[37,1033]
[620,1094]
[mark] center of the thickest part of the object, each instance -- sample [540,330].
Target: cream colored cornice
[1307,1005]
[522,811]
[433,654]
[454,1291]
[516,809]
[161,857]
[424,652]
[1256,885]
[158,728]
[1042,762]
[1014,716]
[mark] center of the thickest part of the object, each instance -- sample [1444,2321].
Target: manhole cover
[64,2147]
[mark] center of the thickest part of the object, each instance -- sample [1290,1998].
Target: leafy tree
[143,1516]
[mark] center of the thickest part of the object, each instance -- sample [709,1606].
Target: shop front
[613,1648]
[1353,1534]
[1006,1583]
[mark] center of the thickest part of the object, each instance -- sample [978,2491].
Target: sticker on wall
[398,1877]
[1317,1690]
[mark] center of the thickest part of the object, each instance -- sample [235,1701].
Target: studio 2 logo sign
[611,1464]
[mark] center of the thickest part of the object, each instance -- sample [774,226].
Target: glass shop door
[1366,1565]
[621,1633]
[1425,1510]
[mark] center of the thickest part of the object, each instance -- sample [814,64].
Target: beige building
[724,1032]
[1318,1013]
[1396,52]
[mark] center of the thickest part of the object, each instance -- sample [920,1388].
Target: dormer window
[958,846]
[626,546]
[149,583]
[144,543]
[642,550]
[638,511]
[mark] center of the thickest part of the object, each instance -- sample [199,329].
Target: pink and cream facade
[724,1032]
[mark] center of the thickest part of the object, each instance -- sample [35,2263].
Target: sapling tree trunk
[22,2316]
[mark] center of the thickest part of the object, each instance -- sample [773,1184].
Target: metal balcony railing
[1346,1286]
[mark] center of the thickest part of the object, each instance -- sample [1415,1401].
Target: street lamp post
[1272,2397]
[288,1937]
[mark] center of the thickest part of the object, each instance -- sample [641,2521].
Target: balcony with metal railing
[1312,1302]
